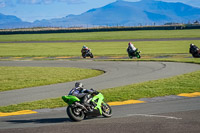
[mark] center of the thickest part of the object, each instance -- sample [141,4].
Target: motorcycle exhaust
[81,106]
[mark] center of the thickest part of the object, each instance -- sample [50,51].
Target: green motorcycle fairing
[100,98]
[70,99]
[136,53]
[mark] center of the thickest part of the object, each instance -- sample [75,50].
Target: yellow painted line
[38,57]
[65,57]
[115,57]
[195,94]
[23,112]
[17,57]
[125,102]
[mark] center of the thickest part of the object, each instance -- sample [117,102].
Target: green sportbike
[132,54]
[77,111]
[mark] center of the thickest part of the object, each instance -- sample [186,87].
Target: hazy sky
[31,10]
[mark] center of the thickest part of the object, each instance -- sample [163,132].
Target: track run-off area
[161,114]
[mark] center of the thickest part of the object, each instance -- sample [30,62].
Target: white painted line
[158,116]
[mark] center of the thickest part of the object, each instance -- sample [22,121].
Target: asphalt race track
[117,74]
[168,114]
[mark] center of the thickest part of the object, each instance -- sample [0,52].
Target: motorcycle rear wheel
[75,114]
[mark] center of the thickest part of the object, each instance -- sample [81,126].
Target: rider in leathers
[131,48]
[82,94]
[194,50]
[85,49]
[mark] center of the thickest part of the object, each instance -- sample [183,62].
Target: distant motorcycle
[78,111]
[195,51]
[87,53]
[132,54]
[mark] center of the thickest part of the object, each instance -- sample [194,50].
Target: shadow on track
[47,120]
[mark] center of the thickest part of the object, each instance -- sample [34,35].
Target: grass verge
[40,104]
[98,48]
[186,83]
[22,77]
[152,58]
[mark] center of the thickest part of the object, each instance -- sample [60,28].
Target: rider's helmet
[84,47]
[79,84]
[191,44]
[129,44]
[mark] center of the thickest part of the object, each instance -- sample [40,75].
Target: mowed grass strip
[40,104]
[186,83]
[137,34]
[98,48]
[166,59]
[22,77]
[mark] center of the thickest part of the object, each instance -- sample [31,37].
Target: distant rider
[82,94]
[85,49]
[194,50]
[131,48]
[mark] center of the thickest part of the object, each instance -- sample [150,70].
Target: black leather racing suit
[82,94]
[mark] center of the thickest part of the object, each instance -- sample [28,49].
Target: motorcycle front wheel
[75,114]
[138,56]
[84,55]
[106,110]
[91,55]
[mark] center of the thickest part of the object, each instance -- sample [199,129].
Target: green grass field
[185,83]
[22,77]
[98,48]
[140,34]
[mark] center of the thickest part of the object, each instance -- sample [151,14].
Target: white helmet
[78,84]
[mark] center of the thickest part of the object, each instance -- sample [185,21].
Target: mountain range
[121,13]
